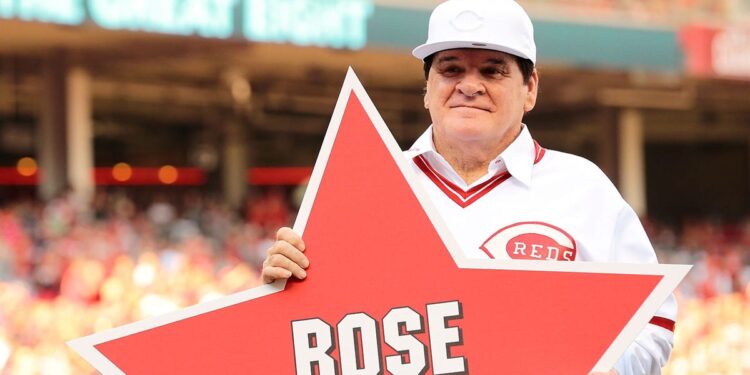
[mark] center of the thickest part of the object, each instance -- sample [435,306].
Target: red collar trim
[464,198]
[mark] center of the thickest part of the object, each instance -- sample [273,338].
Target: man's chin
[464,130]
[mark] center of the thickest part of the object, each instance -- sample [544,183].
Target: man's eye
[494,72]
[452,69]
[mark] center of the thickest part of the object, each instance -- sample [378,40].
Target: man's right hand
[285,258]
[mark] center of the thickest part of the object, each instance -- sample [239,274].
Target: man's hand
[285,258]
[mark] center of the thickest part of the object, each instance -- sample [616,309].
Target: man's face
[477,96]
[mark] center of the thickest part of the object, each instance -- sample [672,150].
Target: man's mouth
[470,107]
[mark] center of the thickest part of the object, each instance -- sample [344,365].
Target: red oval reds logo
[531,240]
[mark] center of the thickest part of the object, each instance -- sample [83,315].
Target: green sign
[206,18]
[65,12]
[334,23]
[327,23]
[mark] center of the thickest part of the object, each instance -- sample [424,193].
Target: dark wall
[697,179]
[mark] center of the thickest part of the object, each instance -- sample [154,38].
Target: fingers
[285,258]
[290,245]
[288,235]
[285,249]
[271,274]
[280,261]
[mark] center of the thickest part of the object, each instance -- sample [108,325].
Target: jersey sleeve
[651,349]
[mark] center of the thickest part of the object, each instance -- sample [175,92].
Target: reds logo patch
[531,240]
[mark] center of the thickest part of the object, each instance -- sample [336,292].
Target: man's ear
[426,97]
[533,90]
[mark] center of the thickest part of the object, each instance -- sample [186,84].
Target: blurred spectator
[270,211]
[58,216]
[720,253]
[15,246]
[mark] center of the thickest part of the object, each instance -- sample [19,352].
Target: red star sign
[388,290]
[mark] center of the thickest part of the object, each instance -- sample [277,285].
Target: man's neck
[471,160]
[468,164]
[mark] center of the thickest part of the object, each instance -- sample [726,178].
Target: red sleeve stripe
[663,323]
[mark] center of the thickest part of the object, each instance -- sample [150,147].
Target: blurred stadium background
[149,149]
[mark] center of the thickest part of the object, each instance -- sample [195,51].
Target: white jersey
[547,205]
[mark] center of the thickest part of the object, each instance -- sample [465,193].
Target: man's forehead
[482,55]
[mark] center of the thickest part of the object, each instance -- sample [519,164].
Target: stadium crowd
[713,328]
[67,270]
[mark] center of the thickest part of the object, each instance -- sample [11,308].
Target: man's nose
[470,86]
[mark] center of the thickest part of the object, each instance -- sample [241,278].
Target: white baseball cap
[500,25]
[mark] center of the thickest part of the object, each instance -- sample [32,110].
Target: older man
[502,195]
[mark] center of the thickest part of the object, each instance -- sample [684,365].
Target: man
[500,193]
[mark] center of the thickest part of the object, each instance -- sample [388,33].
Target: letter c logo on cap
[467,21]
